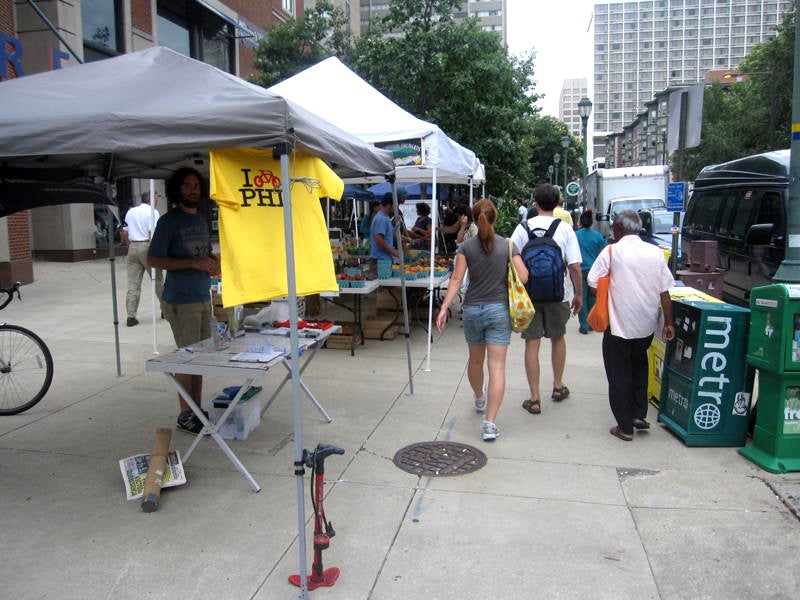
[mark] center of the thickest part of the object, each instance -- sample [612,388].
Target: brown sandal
[560,394]
[617,432]
[532,406]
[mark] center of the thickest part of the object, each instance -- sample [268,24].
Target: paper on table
[260,354]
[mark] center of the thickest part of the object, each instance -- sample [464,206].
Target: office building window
[100,20]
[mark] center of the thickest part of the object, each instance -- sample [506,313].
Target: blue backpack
[542,255]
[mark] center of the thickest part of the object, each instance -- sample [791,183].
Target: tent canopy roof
[360,109]
[148,112]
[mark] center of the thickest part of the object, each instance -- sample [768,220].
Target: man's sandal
[641,424]
[560,394]
[618,433]
[532,406]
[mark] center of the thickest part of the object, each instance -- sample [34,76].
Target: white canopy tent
[423,153]
[144,114]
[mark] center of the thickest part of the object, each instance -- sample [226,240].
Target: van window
[771,211]
[729,207]
[743,214]
[705,206]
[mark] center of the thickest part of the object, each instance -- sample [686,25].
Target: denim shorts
[487,324]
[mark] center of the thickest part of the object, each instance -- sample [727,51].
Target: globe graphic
[707,416]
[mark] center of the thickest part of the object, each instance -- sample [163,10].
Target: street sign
[573,188]
[676,194]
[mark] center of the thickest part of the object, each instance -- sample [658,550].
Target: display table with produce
[357,293]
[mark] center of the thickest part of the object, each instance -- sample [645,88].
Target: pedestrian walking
[140,222]
[486,318]
[640,282]
[548,261]
[591,242]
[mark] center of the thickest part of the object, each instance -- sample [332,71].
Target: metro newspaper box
[706,385]
[655,353]
[774,349]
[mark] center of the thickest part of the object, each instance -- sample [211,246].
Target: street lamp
[584,110]
[565,145]
[550,173]
[556,160]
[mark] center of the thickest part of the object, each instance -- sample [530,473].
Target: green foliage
[751,116]
[459,77]
[507,216]
[547,134]
[295,45]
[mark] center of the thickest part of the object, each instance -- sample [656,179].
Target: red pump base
[329,577]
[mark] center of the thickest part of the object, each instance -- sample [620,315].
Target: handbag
[598,316]
[519,303]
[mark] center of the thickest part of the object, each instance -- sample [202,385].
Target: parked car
[657,228]
[742,205]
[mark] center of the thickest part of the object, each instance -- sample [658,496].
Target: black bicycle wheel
[26,369]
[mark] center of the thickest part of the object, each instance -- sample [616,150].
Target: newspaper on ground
[134,472]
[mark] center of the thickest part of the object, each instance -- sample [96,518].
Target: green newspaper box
[774,349]
[706,385]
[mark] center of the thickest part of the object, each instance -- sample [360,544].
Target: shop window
[189,28]
[100,20]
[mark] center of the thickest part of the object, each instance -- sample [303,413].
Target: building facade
[571,93]
[65,33]
[491,14]
[644,47]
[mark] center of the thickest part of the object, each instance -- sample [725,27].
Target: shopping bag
[598,316]
[519,303]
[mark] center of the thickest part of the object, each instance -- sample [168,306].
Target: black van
[742,205]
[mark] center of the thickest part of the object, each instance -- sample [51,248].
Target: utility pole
[789,271]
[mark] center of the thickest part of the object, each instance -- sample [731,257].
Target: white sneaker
[480,402]
[490,431]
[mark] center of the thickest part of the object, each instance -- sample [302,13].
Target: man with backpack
[549,249]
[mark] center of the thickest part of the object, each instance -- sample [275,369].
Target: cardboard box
[374,325]
[244,419]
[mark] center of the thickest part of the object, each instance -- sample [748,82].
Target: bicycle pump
[323,530]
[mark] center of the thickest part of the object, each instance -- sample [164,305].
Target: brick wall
[142,15]
[19,243]
[7,27]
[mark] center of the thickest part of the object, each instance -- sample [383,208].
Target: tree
[547,134]
[751,116]
[459,77]
[296,44]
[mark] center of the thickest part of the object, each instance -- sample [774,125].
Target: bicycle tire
[26,369]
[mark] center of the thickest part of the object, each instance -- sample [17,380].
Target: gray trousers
[137,266]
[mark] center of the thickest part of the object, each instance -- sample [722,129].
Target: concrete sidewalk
[561,510]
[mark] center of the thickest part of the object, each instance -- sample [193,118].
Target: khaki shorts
[550,321]
[190,323]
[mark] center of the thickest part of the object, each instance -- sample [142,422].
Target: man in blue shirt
[181,245]
[381,234]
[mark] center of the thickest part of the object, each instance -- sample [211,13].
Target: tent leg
[299,471]
[112,260]
[406,331]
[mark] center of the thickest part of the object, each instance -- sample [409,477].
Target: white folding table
[202,359]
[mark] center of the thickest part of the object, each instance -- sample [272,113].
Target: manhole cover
[439,459]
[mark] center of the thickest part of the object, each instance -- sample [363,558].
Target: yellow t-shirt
[563,215]
[246,184]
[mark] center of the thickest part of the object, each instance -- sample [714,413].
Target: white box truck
[609,191]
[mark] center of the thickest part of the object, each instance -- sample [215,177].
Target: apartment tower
[643,47]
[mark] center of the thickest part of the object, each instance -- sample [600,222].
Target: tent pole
[153,271]
[112,263]
[434,211]
[406,331]
[299,471]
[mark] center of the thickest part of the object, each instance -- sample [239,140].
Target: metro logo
[714,387]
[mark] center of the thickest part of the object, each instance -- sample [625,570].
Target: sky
[560,33]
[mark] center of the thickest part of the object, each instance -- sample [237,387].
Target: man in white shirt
[640,281]
[551,317]
[140,221]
